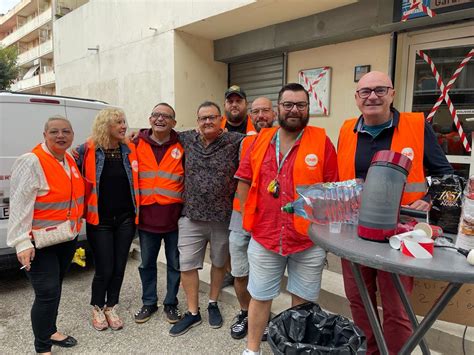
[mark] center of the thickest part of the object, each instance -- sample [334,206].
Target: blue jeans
[150,244]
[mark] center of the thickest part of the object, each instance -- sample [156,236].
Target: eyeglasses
[380,91]
[288,105]
[256,111]
[211,118]
[162,115]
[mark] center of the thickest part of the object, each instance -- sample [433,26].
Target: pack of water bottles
[329,202]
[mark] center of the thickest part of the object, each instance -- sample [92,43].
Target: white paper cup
[334,227]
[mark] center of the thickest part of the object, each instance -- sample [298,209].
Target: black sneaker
[189,321]
[173,314]
[215,318]
[228,280]
[265,334]
[239,329]
[145,313]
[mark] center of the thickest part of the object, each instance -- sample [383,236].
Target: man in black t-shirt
[235,106]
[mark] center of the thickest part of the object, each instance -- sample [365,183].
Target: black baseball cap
[235,89]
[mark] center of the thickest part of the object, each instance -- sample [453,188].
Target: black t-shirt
[115,197]
[242,128]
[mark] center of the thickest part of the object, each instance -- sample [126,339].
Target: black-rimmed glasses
[288,105]
[211,118]
[379,91]
[162,115]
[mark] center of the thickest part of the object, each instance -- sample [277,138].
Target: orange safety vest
[163,183]
[250,130]
[408,139]
[245,145]
[308,170]
[64,191]
[92,215]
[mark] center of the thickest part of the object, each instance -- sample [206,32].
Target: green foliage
[8,67]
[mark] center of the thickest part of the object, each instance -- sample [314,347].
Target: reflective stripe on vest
[408,139]
[91,198]
[160,183]
[308,170]
[60,203]
[244,146]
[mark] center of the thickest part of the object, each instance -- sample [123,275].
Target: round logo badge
[176,153]
[251,133]
[135,165]
[311,160]
[75,173]
[408,152]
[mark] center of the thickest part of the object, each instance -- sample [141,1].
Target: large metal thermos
[382,195]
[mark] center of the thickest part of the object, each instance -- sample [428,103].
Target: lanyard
[277,150]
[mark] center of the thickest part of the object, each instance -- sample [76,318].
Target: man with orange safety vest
[381,127]
[235,107]
[262,116]
[282,161]
[161,185]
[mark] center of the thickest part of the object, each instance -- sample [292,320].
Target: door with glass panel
[425,85]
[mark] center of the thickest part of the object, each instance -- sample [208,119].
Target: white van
[22,118]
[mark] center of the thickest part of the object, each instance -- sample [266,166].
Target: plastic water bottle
[329,202]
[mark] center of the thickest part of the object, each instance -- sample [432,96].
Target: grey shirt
[209,183]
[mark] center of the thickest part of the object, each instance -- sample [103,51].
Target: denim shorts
[267,268]
[192,242]
[238,245]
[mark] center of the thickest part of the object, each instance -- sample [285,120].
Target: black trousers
[110,242]
[46,276]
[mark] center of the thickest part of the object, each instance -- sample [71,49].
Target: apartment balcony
[28,27]
[36,52]
[47,78]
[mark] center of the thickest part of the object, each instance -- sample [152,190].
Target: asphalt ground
[16,336]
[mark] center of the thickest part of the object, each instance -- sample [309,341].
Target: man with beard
[236,118]
[262,116]
[282,161]
[381,127]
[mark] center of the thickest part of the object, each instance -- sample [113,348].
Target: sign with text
[438,4]
[406,4]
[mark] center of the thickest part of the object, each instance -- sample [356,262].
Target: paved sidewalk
[16,336]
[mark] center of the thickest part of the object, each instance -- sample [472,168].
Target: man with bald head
[382,127]
[262,115]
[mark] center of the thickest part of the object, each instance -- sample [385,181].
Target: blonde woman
[110,169]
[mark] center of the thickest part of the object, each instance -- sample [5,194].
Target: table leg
[411,315]
[369,308]
[430,317]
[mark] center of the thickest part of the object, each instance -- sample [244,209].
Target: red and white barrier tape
[417,5]
[311,87]
[418,247]
[448,86]
[447,98]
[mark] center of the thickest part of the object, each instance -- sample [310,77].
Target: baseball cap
[235,89]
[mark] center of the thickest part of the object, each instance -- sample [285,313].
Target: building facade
[29,28]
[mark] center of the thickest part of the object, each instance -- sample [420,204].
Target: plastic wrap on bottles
[329,202]
[465,238]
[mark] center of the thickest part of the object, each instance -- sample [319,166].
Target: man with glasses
[262,116]
[161,184]
[282,161]
[236,118]
[381,127]
[212,157]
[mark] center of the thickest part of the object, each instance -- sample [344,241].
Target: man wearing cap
[381,127]
[161,184]
[262,116]
[282,161]
[235,106]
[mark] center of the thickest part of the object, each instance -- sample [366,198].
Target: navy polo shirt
[434,160]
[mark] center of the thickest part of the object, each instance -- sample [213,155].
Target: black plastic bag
[307,329]
[446,196]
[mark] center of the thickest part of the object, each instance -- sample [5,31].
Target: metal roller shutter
[263,77]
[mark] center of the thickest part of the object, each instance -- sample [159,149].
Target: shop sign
[438,4]
[406,4]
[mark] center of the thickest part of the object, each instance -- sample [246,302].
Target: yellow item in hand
[80,257]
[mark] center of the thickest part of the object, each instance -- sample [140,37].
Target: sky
[6,5]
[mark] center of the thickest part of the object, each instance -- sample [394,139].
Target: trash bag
[307,329]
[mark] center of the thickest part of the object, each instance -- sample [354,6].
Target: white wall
[135,67]
[342,58]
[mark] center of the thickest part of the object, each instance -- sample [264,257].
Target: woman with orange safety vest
[110,169]
[46,191]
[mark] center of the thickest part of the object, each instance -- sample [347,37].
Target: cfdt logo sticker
[311,160]
[176,153]
[408,152]
[135,166]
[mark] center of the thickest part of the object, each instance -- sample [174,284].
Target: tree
[8,67]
